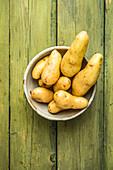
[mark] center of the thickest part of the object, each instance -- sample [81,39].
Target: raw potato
[72,60]
[37,71]
[63,83]
[41,94]
[65,100]
[53,108]
[86,78]
[41,84]
[51,71]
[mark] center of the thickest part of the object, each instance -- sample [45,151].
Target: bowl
[41,108]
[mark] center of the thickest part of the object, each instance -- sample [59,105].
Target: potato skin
[65,100]
[41,94]
[53,108]
[72,60]
[37,70]
[51,71]
[41,84]
[63,83]
[87,77]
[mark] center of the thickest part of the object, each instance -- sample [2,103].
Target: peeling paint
[1,104]
[23,137]
[32,165]
[62,7]
[21,162]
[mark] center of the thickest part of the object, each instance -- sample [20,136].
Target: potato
[87,77]
[63,83]
[51,71]
[41,94]
[53,108]
[41,84]
[65,100]
[72,60]
[37,71]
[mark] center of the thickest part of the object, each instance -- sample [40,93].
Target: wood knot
[53,158]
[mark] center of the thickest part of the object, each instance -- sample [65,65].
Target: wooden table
[28,141]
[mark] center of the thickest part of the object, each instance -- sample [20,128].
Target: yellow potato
[41,94]
[63,83]
[37,70]
[51,71]
[87,77]
[41,84]
[65,100]
[53,108]
[72,60]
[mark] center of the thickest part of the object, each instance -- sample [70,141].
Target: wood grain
[33,139]
[4,84]
[21,115]
[108,93]
[42,25]
[80,141]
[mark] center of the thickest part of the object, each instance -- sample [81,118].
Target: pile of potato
[49,69]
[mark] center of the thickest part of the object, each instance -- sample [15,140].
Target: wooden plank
[21,115]
[108,93]
[33,26]
[42,23]
[4,84]
[80,141]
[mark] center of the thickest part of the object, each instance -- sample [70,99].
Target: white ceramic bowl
[42,109]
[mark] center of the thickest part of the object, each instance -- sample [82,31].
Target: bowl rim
[26,94]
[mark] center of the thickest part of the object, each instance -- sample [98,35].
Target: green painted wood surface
[4,84]
[108,93]
[32,138]
[83,143]
[42,34]
[21,114]
[80,141]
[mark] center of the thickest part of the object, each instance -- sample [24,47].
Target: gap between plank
[104,81]
[56,121]
[9,87]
